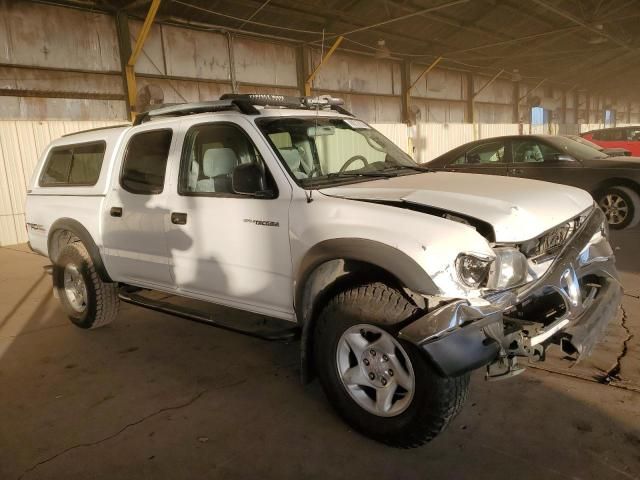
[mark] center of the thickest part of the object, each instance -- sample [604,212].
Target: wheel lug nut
[391,373]
[372,352]
[366,362]
[385,358]
[372,376]
[383,381]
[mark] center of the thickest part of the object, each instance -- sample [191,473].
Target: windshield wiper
[361,174]
[419,168]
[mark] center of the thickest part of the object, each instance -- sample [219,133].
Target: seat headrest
[218,161]
[292,156]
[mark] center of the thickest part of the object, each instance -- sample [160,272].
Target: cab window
[145,162]
[217,154]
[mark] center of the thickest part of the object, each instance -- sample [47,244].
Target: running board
[267,329]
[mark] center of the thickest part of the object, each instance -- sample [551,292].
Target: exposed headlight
[508,270]
[473,270]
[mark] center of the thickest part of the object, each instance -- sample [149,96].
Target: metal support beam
[587,109]
[124,45]
[309,81]
[425,72]
[131,63]
[563,108]
[539,84]
[405,91]
[489,83]
[516,102]
[470,111]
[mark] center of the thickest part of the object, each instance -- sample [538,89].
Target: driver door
[489,158]
[227,247]
[534,159]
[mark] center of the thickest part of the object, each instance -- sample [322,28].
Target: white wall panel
[21,144]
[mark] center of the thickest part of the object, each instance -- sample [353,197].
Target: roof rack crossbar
[199,107]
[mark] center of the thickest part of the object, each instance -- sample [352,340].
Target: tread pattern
[379,303]
[107,303]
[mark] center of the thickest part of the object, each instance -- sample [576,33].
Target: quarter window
[145,162]
[214,155]
[73,165]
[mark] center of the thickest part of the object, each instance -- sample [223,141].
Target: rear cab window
[145,162]
[73,165]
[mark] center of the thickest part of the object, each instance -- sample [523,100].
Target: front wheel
[383,387]
[621,206]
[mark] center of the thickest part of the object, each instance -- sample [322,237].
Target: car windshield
[323,150]
[584,141]
[576,149]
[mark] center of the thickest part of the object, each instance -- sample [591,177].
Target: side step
[265,328]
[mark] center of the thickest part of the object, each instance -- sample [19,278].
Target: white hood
[518,209]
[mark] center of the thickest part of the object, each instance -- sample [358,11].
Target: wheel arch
[63,231]
[331,265]
[615,182]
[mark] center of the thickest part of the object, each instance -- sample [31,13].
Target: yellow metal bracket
[130,66]
[309,80]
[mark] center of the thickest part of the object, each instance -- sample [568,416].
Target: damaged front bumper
[571,305]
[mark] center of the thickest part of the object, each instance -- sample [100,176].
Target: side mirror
[248,179]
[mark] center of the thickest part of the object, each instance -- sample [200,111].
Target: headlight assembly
[508,270]
[473,270]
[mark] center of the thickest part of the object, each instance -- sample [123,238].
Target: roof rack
[246,104]
[181,109]
[96,129]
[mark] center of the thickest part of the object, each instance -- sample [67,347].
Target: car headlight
[473,270]
[508,270]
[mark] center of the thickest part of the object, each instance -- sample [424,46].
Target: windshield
[576,149]
[324,150]
[584,141]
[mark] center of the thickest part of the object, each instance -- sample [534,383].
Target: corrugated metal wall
[21,144]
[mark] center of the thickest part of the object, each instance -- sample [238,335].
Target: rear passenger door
[225,246]
[490,158]
[136,212]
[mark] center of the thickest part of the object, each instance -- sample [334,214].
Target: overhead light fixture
[382,51]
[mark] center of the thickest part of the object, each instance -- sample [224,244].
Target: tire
[621,206]
[88,301]
[435,400]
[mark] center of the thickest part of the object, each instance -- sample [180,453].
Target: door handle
[178,218]
[116,211]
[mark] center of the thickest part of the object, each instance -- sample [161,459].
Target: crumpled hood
[518,209]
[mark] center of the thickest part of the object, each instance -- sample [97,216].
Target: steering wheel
[355,158]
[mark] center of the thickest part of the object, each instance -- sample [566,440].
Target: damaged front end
[570,304]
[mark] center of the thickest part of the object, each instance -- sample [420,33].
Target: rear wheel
[621,206]
[88,301]
[383,387]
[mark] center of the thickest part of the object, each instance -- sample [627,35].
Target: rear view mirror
[321,131]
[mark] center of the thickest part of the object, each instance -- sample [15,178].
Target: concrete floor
[153,396]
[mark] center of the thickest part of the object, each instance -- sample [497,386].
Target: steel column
[308,83]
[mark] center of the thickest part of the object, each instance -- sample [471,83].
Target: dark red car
[619,137]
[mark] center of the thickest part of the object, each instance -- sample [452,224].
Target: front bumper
[460,337]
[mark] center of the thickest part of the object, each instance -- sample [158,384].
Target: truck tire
[621,206]
[383,387]
[88,301]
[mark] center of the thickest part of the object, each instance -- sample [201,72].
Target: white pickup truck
[399,280]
